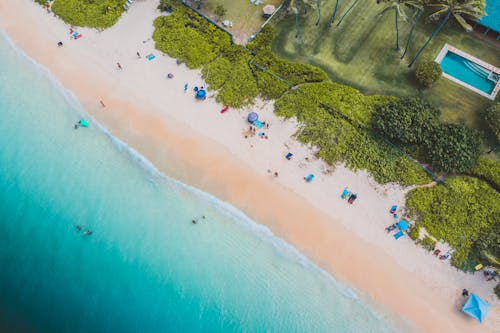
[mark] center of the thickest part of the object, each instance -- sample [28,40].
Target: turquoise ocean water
[146,267]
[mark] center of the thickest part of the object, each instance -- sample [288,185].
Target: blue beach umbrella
[402,225]
[476,307]
[252,116]
[200,94]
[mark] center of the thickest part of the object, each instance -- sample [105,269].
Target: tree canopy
[491,117]
[453,148]
[406,121]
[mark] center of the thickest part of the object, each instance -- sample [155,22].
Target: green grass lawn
[246,17]
[361,53]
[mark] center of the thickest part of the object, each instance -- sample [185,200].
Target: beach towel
[150,56]
[398,235]
[289,156]
[185,88]
[344,194]
[309,178]
[258,124]
[83,123]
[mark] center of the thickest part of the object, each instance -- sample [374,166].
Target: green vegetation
[497,290]
[360,52]
[491,117]
[455,9]
[231,75]
[89,13]
[414,232]
[407,121]
[427,243]
[294,73]
[335,119]
[466,215]
[454,148]
[188,36]
[487,170]
[427,73]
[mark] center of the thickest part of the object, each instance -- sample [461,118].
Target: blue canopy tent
[201,94]
[252,116]
[402,225]
[476,307]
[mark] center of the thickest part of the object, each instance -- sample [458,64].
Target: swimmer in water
[193,221]
[87,233]
[78,227]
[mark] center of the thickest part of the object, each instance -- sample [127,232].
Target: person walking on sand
[138,55]
[119,66]
[102,104]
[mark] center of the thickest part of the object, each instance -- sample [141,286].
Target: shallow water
[146,267]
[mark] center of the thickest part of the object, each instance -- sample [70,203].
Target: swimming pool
[469,71]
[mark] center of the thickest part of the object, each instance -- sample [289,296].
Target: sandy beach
[192,141]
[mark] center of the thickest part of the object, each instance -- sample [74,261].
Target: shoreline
[188,145]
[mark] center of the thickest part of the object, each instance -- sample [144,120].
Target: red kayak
[224,109]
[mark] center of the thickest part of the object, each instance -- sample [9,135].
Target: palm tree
[399,7]
[348,11]
[319,12]
[415,20]
[332,18]
[456,8]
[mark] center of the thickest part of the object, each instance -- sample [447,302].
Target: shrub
[491,118]
[427,73]
[166,5]
[462,214]
[453,148]
[265,63]
[414,232]
[334,118]
[89,13]
[231,75]
[406,121]
[488,170]
[497,290]
[427,243]
[189,37]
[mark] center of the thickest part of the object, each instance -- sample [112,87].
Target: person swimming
[193,221]
[87,232]
[78,227]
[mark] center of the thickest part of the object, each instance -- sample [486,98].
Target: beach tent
[402,225]
[252,116]
[476,307]
[201,94]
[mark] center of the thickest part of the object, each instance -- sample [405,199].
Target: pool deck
[448,48]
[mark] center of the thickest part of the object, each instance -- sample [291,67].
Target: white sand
[153,115]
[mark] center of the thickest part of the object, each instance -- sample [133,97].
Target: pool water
[469,72]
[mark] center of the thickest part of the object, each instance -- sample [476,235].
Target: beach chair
[398,235]
[309,178]
[391,227]
[257,123]
[289,156]
[393,209]
[344,194]
[150,56]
